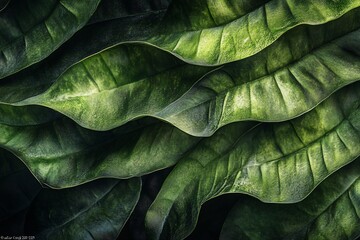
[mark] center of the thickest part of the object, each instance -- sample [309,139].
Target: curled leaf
[62,154]
[276,162]
[331,210]
[32,29]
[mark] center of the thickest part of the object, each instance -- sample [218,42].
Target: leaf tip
[154,223]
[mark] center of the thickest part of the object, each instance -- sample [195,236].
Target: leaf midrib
[89,94]
[33,27]
[305,147]
[346,190]
[264,77]
[82,211]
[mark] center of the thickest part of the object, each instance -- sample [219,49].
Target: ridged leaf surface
[62,154]
[96,210]
[221,33]
[276,162]
[271,90]
[331,211]
[31,29]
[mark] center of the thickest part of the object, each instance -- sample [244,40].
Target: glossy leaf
[277,162]
[96,210]
[123,83]
[331,210]
[222,33]
[30,30]
[264,88]
[38,78]
[225,40]
[62,154]
[271,90]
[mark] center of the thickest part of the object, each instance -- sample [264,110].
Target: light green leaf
[30,30]
[62,154]
[38,78]
[289,78]
[221,33]
[258,88]
[331,211]
[96,210]
[277,162]
[122,83]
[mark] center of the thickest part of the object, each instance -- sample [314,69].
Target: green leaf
[96,210]
[203,40]
[264,88]
[271,90]
[99,208]
[122,83]
[62,154]
[31,30]
[221,33]
[331,210]
[277,162]
[215,100]
[38,78]
[114,9]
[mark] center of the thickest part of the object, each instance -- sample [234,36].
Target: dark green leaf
[62,154]
[30,30]
[114,9]
[277,162]
[96,210]
[331,211]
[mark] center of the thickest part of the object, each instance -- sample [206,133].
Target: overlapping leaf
[217,32]
[62,154]
[282,70]
[331,210]
[122,83]
[273,91]
[278,162]
[114,9]
[221,33]
[96,210]
[83,211]
[289,78]
[30,30]
[201,40]
[38,78]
